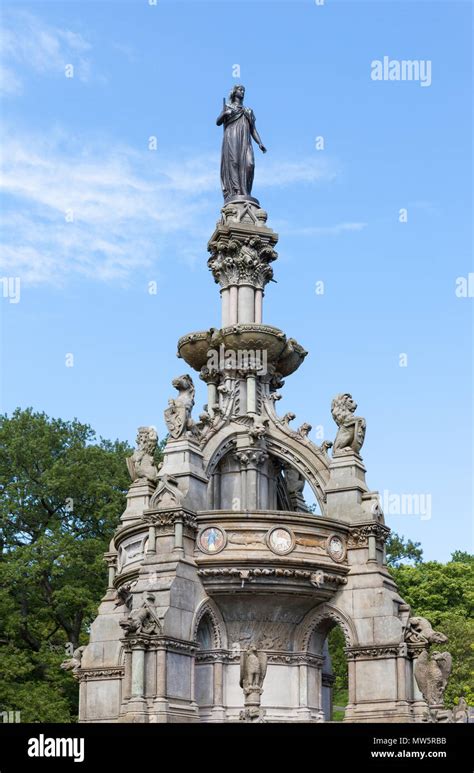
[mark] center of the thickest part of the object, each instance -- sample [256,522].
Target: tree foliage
[444,594]
[61,495]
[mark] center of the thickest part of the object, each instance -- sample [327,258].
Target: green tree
[444,593]
[398,550]
[61,495]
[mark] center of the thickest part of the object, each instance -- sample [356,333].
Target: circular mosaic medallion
[211,540]
[280,540]
[336,547]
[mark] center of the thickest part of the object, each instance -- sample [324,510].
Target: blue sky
[91,216]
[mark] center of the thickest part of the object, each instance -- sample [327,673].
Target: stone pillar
[251,394]
[252,486]
[401,673]
[243,459]
[372,556]
[161,673]
[111,560]
[246,304]
[138,671]
[233,305]
[127,682]
[258,305]
[178,535]
[218,679]
[225,307]
[211,397]
[351,678]
[216,490]
[151,539]
[303,685]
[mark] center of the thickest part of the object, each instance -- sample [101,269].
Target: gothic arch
[322,619]
[303,456]
[219,636]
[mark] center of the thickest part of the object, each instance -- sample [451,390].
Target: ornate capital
[168,518]
[359,536]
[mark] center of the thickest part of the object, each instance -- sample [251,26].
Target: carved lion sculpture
[351,433]
[432,674]
[141,463]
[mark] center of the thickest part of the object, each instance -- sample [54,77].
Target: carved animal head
[183,383]
[147,439]
[342,407]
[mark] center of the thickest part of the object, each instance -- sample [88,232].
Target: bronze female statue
[237,161]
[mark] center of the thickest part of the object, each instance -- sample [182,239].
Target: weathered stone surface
[223,586]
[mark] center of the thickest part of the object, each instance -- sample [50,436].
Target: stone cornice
[317,578]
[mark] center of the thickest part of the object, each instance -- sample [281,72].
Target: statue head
[342,407]
[238,90]
[147,439]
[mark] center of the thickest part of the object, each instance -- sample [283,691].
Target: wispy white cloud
[105,212]
[27,43]
[324,230]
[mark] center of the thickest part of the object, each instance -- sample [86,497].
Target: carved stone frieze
[91,674]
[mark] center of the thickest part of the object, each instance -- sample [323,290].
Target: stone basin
[193,347]
[286,354]
[291,357]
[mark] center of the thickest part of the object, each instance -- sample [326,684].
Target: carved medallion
[336,547]
[280,541]
[211,540]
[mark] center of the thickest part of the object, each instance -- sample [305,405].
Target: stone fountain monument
[223,585]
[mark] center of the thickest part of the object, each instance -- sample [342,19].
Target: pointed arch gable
[219,634]
[324,616]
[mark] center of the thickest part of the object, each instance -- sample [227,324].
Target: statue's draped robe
[237,161]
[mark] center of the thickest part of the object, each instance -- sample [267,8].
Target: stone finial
[351,433]
[141,463]
[178,414]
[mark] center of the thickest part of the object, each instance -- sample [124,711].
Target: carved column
[372,552]
[243,458]
[138,670]
[401,673]
[111,560]
[258,305]
[251,393]
[151,539]
[216,490]
[225,307]
[233,307]
[246,301]
[255,459]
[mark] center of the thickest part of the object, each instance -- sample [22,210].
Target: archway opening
[328,641]
[203,676]
[337,663]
